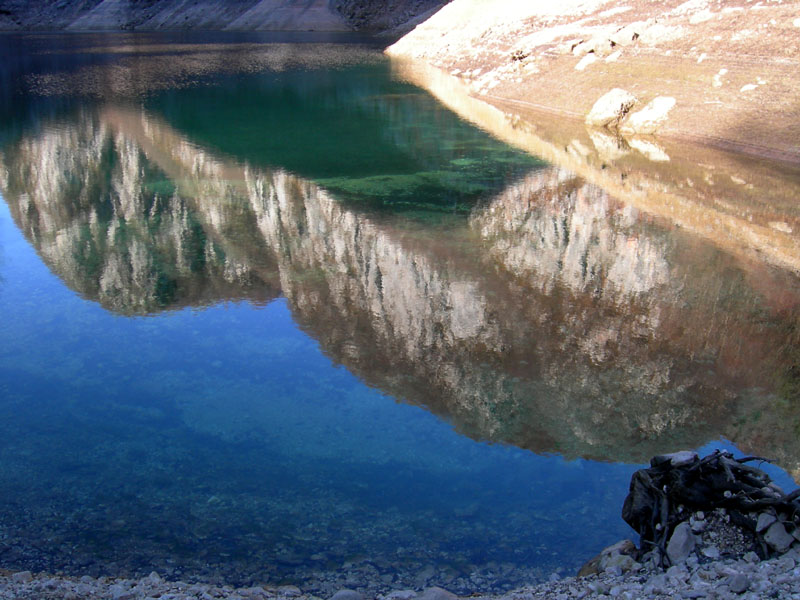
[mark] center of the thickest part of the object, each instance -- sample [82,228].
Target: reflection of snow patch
[747,88]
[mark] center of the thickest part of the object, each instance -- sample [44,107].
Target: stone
[436,593]
[711,552]
[628,34]
[623,562]
[611,108]
[582,48]
[602,46]
[290,591]
[401,595]
[650,118]
[585,62]
[676,459]
[738,583]
[681,544]
[347,595]
[154,578]
[751,557]
[120,592]
[764,521]
[22,577]
[777,538]
[621,547]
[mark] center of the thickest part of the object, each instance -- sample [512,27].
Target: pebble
[347,595]
[746,577]
[738,583]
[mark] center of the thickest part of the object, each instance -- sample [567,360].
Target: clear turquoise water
[272,315]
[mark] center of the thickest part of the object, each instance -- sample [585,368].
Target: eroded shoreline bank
[730,66]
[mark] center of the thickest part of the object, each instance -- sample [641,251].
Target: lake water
[273,314]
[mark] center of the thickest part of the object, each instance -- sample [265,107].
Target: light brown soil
[733,66]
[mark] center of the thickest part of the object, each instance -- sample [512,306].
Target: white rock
[585,62]
[651,117]
[748,87]
[796,22]
[610,108]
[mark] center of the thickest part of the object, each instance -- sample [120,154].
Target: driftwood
[677,485]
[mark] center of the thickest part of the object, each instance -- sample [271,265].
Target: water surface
[272,314]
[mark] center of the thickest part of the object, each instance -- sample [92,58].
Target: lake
[273,313]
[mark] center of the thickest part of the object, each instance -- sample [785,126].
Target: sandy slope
[733,66]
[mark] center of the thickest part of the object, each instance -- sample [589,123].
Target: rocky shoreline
[699,577]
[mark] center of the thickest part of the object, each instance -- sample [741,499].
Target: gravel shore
[745,577]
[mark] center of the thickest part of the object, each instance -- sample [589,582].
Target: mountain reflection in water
[551,317]
[212,198]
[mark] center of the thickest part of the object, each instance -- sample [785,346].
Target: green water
[272,314]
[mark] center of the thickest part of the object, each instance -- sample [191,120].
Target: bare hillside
[730,68]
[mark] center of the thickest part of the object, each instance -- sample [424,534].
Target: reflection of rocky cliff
[553,318]
[113,226]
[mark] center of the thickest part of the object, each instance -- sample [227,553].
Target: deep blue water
[285,321]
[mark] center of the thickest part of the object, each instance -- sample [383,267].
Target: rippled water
[273,314]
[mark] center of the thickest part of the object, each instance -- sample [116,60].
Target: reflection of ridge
[553,318]
[551,231]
